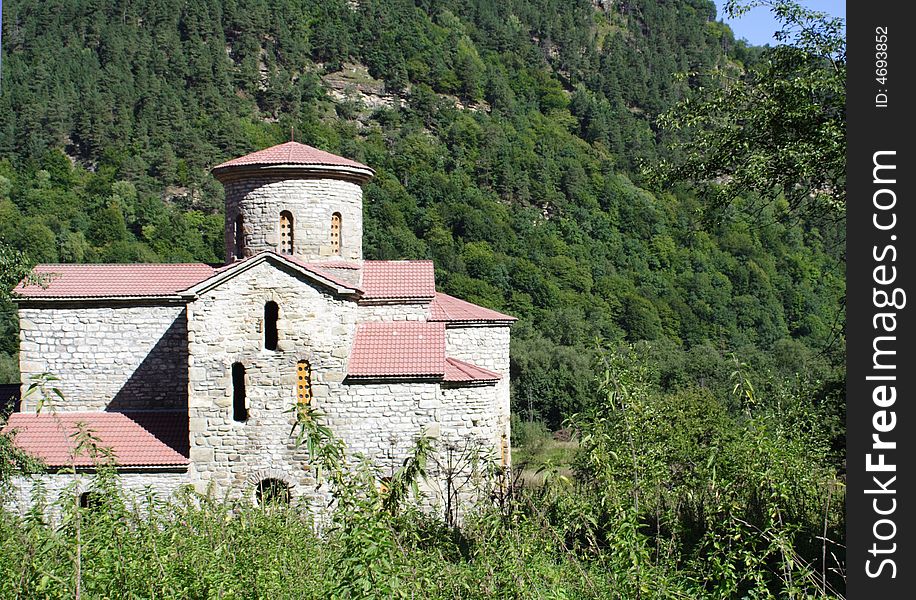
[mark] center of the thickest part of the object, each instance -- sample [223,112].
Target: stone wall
[394,312]
[64,487]
[382,420]
[226,326]
[486,347]
[312,202]
[470,412]
[378,420]
[109,357]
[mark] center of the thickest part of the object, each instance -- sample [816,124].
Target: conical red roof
[291,154]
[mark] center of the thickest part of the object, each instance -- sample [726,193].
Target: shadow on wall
[160,382]
[169,426]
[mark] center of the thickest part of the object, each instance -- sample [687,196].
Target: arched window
[240,237]
[239,410]
[271,315]
[335,233]
[286,232]
[272,491]
[303,382]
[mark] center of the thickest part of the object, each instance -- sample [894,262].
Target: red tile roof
[291,153]
[398,279]
[169,427]
[49,436]
[462,372]
[398,349]
[450,309]
[106,280]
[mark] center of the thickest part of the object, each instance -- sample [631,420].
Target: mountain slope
[505,136]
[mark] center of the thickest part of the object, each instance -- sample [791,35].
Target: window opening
[240,237]
[286,232]
[335,233]
[272,491]
[239,410]
[303,383]
[90,500]
[271,316]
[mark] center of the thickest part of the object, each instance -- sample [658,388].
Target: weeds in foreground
[673,496]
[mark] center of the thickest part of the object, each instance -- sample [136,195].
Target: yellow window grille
[286,232]
[303,383]
[335,233]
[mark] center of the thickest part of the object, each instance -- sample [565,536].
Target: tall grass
[674,496]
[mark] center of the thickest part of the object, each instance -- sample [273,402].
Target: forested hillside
[508,138]
[621,170]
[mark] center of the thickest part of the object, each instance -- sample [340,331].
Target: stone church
[191,373]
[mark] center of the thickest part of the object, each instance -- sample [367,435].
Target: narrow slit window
[335,233]
[239,410]
[286,232]
[303,383]
[271,316]
[240,237]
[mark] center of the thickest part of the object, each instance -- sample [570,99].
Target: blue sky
[758,25]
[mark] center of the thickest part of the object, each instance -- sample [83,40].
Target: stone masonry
[225,327]
[116,357]
[177,351]
[487,347]
[136,487]
[312,202]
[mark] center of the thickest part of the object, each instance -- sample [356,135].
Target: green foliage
[676,495]
[526,200]
[777,129]
[528,433]
[13,461]
[741,497]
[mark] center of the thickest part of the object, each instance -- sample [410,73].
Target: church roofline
[67,283]
[49,437]
[293,159]
[293,171]
[455,312]
[230,271]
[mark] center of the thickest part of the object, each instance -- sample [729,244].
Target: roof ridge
[459,364]
[49,437]
[132,264]
[449,308]
[296,153]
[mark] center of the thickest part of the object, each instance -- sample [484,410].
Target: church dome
[294,199]
[293,156]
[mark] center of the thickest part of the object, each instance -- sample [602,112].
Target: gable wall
[225,327]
